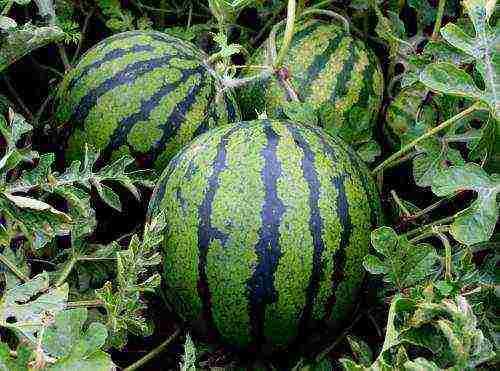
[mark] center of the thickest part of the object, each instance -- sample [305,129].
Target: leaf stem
[432,207]
[419,232]
[13,268]
[428,134]
[64,57]
[447,253]
[439,19]
[289,29]
[331,14]
[84,304]
[7,7]
[156,351]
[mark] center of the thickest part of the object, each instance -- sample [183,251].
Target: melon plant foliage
[81,283]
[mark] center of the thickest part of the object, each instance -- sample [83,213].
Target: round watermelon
[141,92]
[267,226]
[328,69]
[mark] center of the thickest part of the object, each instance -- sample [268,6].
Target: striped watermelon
[141,92]
[268,225]
[337,74]
[409,105]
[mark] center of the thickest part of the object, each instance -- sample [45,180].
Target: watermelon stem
[330,14]
[155,352]
[289,30]
[390,160]
[439,18]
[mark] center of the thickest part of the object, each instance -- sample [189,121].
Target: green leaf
[437,157]
[461,40]
[74,348]
[19,362]
[421,364]
[447,78]
[26,308]
[24,40]
[109,196]
[17,258]
[361,350]
[369,151]
[403,264]
[189,357]
[482,47]
[7,23]
[33,204]
[476,223]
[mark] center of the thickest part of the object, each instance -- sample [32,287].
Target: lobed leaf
[476,223]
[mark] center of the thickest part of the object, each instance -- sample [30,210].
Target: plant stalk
[439,19]
[84,304]
[428,134]
[156,351]
[419,231]
[447,254]
[13,268]
[289,29]
[67,270]
[7,7]
[64,57]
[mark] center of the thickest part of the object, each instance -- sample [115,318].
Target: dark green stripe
[339,257]
[206,232]
[367,91]
[169,127]
[108,57]
[341,88]
[319,63]
[300,35]
[125,76]
[261,285]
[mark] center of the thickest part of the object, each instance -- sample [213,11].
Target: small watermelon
[141,92]
[267,228]
[409,105]
[328,69]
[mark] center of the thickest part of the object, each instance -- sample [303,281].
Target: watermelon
[141,92]
[267,227]
[402,113]
[329,70]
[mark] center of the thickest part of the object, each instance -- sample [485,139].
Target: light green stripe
[181,241]
[236,212]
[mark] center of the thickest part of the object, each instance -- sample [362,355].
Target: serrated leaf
[24,40]
[482,47]
[461,40]
[403,264]
[17,258]
[19,362]
[421,364]
[446,78]
[189,357]
[361,350]
[25,315]
[109,196]
[33,204]
[369,151]
[427,165]
[7,23]
[476,223]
